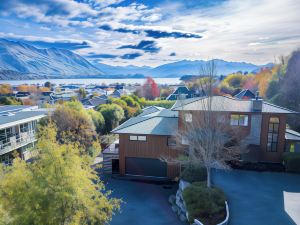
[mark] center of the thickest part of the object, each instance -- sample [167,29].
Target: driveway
[144,203]
[261,198]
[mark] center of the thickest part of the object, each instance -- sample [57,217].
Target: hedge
[205,204]
[291,161]
[194,174]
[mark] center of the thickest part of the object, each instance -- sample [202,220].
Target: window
[24,127]
[137,138]
[188,117]
[238,120]
[142,138]
[184,141]
[273,134]
[171,141]
[132,138]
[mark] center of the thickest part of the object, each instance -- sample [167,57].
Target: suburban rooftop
[227,104]
[153,120]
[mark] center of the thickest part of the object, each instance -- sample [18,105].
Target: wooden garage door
[145,167]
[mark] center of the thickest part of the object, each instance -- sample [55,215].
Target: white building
[18,126]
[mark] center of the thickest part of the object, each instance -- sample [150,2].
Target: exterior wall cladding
[156,146]
[256,131]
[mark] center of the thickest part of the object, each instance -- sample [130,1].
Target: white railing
[17,141]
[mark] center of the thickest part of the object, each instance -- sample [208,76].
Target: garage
[145,167]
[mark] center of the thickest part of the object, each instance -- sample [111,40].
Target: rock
[182,218]
[183,185]
[175,208]
[172,199]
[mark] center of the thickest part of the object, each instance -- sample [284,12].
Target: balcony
[17,141]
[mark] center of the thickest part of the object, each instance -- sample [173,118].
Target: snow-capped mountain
[24,58]
[20,60]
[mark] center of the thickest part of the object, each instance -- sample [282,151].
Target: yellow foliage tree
[59,187]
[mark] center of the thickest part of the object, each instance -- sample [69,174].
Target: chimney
[257,103]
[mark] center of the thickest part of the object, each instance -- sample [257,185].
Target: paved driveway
[145,204]
[261,198]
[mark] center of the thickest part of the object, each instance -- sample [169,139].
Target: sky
[155,32]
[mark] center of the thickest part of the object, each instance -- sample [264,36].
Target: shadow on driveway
[260,198]
[144,203]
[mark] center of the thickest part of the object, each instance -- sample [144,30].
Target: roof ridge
[268,103]
[115,129]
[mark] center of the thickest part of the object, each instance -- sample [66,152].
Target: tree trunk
[208,177]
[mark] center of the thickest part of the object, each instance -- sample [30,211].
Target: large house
[148,138]
[17,130]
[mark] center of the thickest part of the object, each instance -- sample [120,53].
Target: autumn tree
[59,187]
[5,89]
[233,83]
[75,125]
[149,90]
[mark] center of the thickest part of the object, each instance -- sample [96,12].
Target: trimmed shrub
[291,161]
[194,174]
[162,103]
[205,204]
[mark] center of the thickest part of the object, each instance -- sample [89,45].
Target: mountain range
[19,60]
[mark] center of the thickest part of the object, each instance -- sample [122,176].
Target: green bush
[205,204]
[291,161]
[161,103]
[194,174]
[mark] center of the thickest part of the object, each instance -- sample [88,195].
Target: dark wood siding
[155,147]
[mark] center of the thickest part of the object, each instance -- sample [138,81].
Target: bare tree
[206,136]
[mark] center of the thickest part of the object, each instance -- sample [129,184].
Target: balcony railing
[16,141]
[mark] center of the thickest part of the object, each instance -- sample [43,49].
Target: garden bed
[205,204]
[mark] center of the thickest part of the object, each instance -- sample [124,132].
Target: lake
[92,81]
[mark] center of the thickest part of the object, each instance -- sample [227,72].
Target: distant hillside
[24,58]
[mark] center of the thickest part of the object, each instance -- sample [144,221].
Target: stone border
[179,207]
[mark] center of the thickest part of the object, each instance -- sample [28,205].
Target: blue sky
[153,32]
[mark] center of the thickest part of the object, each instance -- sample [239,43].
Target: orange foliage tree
[5,89]
[263,79]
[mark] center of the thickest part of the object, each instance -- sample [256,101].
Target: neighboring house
[182,92]
[63,96]
[23,95]
[45,97]
[143,140]
[17,130]
[95,101]
[146,139]
[70,87]
[116,94]
[292,141]
[245,95]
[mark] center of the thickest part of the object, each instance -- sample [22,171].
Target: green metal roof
[160,122]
